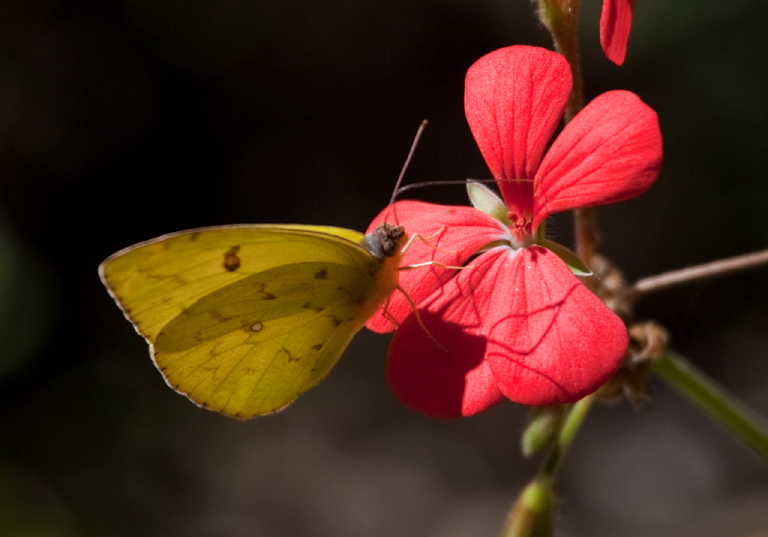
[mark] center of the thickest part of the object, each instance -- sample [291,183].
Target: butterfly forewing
[155,281]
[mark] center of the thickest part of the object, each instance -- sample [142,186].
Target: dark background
[124,120]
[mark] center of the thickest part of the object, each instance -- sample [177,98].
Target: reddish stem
[561,18]
[699,272]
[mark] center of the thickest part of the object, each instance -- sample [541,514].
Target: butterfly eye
[384,240]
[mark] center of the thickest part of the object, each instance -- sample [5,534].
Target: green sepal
[576,265]
[486,200]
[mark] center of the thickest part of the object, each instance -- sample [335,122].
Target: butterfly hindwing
[255,345]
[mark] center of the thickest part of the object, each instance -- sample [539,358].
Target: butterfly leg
[418,319]
[428,263]
[433,264]
[425,240]
[385,313]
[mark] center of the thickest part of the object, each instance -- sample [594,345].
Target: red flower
[615,24]
[516,322]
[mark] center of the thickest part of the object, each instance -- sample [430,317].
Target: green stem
[715,401]
[532,514]
[573,421]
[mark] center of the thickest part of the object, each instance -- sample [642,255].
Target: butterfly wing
[243,319]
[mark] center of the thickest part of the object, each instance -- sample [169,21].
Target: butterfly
[244,319]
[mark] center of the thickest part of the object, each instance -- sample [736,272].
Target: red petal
[557,342]
[514,98]
[453,380]
[452,235]
[615,24]
[611,151]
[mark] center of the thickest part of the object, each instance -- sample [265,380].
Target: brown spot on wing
[310,306]
[231,261]
[291,356]
[262,289]
[216,315]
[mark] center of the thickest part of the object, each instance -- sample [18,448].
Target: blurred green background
[122,120]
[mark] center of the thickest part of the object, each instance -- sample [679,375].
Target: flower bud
[543,425]
[553,13]
[533,512]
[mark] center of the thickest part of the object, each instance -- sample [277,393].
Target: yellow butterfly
[244,319]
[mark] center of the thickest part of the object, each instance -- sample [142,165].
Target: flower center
[521,228]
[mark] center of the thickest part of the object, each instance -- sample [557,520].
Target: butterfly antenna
[444,182]
[416,139]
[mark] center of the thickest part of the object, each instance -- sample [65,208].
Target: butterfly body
[243,319]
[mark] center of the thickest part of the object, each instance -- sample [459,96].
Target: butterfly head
[384,241]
